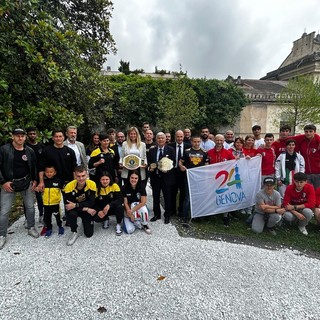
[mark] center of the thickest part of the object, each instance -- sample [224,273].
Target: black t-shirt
[290,161]
[133,195]
[194,158]
[20,164]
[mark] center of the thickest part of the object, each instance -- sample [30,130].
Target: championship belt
[165,164]
[132,162]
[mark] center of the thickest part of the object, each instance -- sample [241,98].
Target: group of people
[109,177]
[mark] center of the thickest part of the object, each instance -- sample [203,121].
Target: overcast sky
[210,38]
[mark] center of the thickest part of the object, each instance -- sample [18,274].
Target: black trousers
[117,211]
[87,221]
[180,187]
[158,184]
[48,212]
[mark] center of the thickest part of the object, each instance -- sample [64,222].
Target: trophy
[132,162]
[165,164]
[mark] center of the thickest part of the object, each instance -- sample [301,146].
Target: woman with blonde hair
[134,146]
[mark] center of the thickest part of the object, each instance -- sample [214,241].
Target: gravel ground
[158,276]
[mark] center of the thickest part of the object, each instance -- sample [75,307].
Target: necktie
[160,154]
[179,152]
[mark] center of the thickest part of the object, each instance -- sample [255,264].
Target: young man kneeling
[79,199]
[268,209]
[299,200]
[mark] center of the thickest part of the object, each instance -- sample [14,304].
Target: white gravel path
[45,279]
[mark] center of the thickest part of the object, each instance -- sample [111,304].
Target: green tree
[178,106]
[221,101]
[90,20]
[300,102]
[45,74]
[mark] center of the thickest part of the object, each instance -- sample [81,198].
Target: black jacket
[6,163]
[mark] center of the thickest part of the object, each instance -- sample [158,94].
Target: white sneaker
[72,239]
[118,230]
[146,229]
[3,240]
[303,230]
[106,224]
[33,232]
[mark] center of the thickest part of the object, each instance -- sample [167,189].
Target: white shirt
[207,145]
[74,147]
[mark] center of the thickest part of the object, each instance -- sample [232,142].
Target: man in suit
[161,180]
[76,146]
[179,147]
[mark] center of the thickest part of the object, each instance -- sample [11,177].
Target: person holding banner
[220,154]
[192,158]
[268,211]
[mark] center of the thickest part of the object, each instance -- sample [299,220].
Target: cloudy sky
[210,38]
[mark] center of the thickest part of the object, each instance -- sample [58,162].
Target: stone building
[304,59]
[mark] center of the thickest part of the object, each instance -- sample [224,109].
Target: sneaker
[41,220]
[61,231]
[48,233]
[146,229]
[33,232]
[72,239]
[3,240]
[303,230]
[118,230]
[106,224]
[272,231]
[226,222]
[43,231]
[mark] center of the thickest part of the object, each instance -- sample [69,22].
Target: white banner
[224,187]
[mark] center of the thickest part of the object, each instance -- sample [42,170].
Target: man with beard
[37,147]
[76,146]
[18,173]
[206,143]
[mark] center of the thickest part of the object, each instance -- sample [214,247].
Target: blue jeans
[7,199]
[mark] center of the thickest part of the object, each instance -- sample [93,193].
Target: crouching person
[268,211]
[135,200]
[109,201]
[299,200]
[79,201]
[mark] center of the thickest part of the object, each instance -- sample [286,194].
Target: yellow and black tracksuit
[51,197]
[83,198]
[112,196]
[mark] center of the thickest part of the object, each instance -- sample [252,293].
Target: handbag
[21,184]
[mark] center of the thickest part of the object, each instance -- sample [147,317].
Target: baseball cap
[18,131]
[269,181]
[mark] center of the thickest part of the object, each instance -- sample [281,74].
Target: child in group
[51,198]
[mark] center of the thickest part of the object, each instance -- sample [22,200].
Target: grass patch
[288,236]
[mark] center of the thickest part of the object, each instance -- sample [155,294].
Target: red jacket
[310,150]
[219,156]
[306,196]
